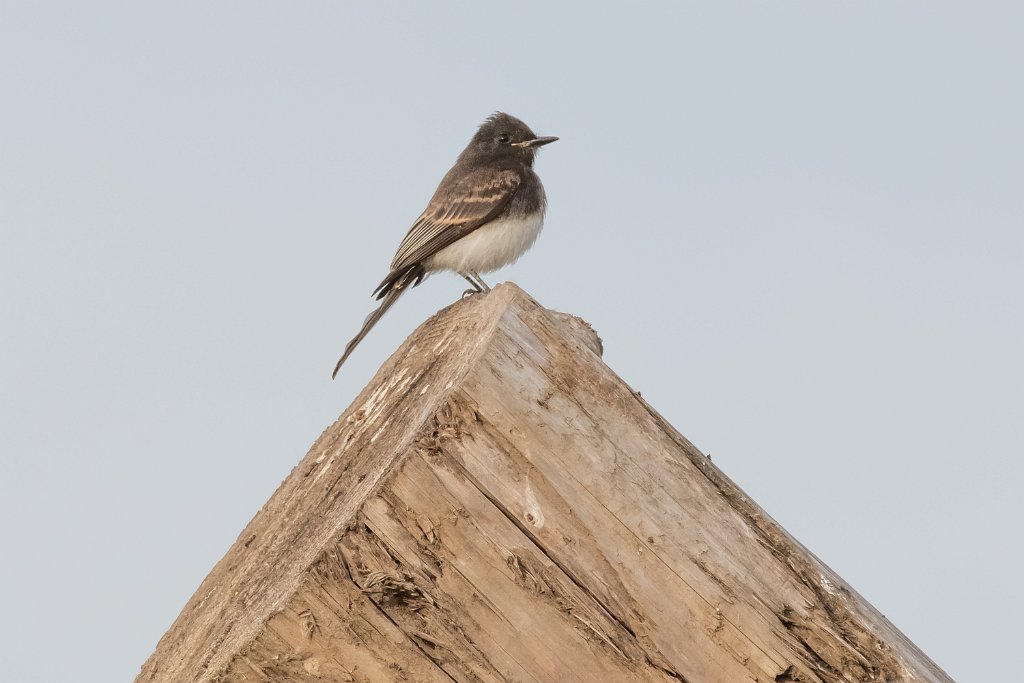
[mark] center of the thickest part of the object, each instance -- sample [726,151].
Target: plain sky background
[798,226]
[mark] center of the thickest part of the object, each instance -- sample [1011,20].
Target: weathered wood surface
[497,505]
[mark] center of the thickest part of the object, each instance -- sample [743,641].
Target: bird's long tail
[397,287]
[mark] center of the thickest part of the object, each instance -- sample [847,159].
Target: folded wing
[456,210]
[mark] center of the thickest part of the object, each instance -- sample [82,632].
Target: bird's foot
[479,286]
[478,282]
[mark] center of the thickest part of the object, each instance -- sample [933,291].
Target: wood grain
[497,505]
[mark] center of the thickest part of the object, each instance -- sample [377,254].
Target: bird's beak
[536,142]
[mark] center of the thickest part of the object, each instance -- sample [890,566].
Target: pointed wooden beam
[497,505]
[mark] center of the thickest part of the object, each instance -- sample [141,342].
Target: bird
[487,211]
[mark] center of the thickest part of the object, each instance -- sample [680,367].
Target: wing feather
[454,212]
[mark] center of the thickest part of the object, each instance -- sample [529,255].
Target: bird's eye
[504,138]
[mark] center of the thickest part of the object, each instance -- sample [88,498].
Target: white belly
[497,244]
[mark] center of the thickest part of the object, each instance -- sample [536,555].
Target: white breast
[496,244]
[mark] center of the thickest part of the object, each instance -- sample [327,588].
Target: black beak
[536,142]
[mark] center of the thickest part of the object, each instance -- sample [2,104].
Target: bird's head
[502,135]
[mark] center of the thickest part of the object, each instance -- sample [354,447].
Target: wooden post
[497,505]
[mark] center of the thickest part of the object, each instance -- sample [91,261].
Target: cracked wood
[497,505]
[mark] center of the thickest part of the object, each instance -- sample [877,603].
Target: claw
[478,282]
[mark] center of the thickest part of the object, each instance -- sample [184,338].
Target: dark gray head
[505,137]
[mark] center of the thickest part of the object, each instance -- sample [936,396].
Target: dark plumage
[492,185]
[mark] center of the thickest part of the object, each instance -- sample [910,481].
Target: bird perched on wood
[487,211]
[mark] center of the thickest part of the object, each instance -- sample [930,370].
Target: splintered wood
[498,505]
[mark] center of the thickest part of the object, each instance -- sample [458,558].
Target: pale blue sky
[797,227]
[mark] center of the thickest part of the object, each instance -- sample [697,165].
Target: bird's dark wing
[457,209]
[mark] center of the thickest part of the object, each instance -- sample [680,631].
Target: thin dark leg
[480,281]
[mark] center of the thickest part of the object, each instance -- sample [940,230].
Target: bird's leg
[481,285]
[470,292]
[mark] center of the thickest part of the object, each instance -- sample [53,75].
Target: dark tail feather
[396,288]
[400,278]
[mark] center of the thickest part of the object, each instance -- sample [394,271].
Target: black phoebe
[487,211]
